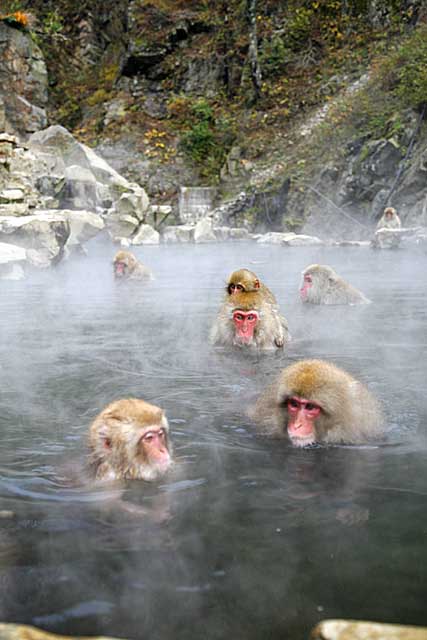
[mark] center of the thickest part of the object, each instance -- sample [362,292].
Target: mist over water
[247,537]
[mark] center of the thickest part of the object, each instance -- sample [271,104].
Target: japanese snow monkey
[313,401]
[248,320]
[321,285]
[127,267]
[129,440]
[389,219]
[245,280]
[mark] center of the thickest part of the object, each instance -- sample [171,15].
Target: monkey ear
[332,279]
[256,284]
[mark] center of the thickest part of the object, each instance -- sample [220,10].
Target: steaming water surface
[247,537]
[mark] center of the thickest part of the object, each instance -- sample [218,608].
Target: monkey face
[121,269]
[302,415]
[244,324]
[153,445]
[234,288]
[306,285]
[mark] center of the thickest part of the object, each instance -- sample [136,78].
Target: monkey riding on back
[249,317]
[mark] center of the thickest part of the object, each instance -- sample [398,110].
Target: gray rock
[146,235]
[121,226]
[23,82]
[182,233]
[10,258]
[203,231]
[45,233]
[231,233]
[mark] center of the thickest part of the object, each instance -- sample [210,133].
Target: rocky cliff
[166,93]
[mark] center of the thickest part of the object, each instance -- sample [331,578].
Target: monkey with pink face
[248,320]
[322,285]
[313,401]
[129,440]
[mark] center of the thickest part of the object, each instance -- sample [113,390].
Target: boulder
[203,231]
[44,235]
[232,233]
[11,631]
[146,235]
[87,175]
[181,233]
[84,225]
[299,240]
[79,190]
[11,258]
[121,226]
[289,239]
[134,204]
[365,630]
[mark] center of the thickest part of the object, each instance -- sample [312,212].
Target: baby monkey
[245,280]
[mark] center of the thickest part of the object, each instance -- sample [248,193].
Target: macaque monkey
[247,319]
[313,401]
[127,267]
[129,440]
[387,234]
[321,285]
[245,280]
[389,219]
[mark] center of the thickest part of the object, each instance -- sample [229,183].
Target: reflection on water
[247,537]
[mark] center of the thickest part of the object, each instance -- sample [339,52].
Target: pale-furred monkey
[246,280]
[321,285]
[129,440]
[314,401]
[248,320]
[127,267]
[389,219]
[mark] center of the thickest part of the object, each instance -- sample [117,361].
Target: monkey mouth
[302,441]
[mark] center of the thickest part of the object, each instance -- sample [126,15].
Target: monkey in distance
[248,320]
[314,401]
[322,285]
[389,219]
[129,440]
[246,280]
[127,267]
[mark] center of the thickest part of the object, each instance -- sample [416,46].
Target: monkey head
[316,278]
[129,439]
[123,264]
[311,397]
[242,280]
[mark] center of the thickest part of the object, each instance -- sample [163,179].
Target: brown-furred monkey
[313,401]
[129,440]
[321,285]
[127,267]
[246,280]
[248,320]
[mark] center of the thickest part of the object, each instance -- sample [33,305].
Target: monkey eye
[291,402]
[150,435]
[251,317]
[308,278]
[310,406]
[239,316]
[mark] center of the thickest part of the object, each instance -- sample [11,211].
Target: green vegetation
[208,139]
